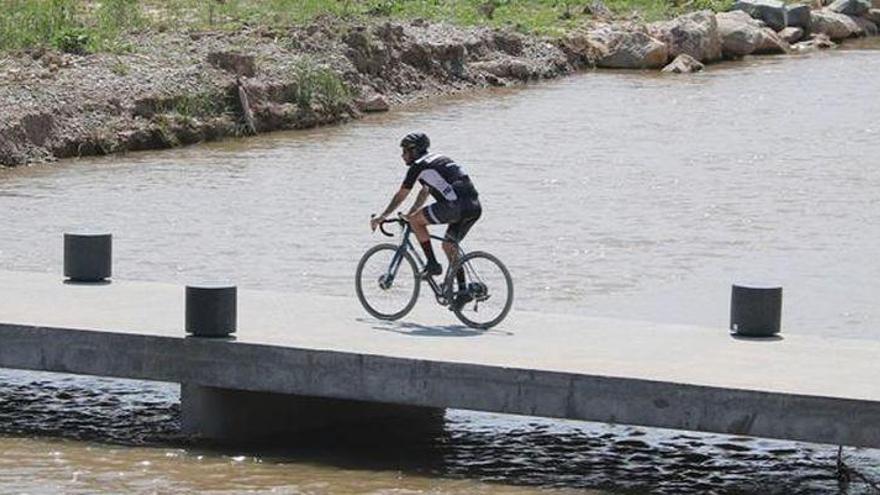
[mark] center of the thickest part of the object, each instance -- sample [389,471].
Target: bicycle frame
[407,245]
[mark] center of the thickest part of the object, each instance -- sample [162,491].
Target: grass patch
[319,84]
[69,25]
[100,25]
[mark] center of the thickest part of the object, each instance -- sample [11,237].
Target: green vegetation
[69,25]
[81,26]
[195,105]
[321,85]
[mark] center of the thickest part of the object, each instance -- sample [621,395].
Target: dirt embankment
[182,88]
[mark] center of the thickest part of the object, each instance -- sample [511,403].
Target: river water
[628,195]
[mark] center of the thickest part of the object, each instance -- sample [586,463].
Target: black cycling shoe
[431,270]
[460,300]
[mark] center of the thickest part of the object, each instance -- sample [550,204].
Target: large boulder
[873,15]
[850,7]
[684,64]
[581,49]
[866,27]
[799,16]
[694,34]
[772,12]
[836,26]
[740,34]
[771,42]
[624,49]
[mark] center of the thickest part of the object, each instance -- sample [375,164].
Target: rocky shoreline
[181,88]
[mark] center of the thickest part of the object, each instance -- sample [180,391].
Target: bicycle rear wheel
[387,283]
[489,287]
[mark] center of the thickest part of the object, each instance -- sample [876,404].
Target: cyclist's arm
[420,200]
[398,198]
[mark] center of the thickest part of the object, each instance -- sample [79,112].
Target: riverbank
[177,88]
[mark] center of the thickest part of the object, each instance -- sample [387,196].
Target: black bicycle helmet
[416,141]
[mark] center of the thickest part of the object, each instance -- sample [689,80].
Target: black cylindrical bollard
[755,311]
[87,256]
[211,310]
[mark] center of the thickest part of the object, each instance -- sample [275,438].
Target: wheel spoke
[490,288]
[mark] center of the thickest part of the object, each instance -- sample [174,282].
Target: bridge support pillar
[245,417]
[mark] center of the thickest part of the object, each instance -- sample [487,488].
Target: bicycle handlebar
[399,220]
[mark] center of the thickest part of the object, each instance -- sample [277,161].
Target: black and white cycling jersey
[441,175]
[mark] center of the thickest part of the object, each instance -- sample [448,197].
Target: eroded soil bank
[181,88]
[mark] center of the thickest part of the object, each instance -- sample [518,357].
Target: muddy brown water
[611,194]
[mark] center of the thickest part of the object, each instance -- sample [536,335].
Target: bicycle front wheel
[488,290]
[387,282]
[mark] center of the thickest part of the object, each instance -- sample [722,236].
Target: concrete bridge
[301,362]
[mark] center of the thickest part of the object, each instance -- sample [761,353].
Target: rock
[629,49]
[817,41]
[791,34]
[866,27]
[375,103]
[509,68]
[684,64]
[836,26]
[850,7]
[772,12]
[740,34]
[799,16]
[233,62]
[873,15]
[695,34]
[876,4]
[771,42]
[581,49]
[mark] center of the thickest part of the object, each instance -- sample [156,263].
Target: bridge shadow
[419,330]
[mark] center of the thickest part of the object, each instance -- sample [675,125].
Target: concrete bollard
[211,310]
[87,256]
[755,311]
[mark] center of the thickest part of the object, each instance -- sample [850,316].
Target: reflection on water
[608,194]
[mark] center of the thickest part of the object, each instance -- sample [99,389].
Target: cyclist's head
[414,145]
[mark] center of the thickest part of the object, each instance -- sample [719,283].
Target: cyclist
[456,203]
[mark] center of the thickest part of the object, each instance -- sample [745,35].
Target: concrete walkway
[797,387]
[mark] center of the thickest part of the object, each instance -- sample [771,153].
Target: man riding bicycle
[456,203]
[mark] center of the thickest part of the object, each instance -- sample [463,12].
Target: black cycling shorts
[461,215]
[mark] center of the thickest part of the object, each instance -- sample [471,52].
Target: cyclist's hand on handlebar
[375,222]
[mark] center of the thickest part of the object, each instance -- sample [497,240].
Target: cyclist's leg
[456,232]
[419,224]
[437,213]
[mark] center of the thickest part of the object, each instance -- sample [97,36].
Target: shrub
[319,84]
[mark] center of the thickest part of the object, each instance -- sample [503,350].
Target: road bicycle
[389,276]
